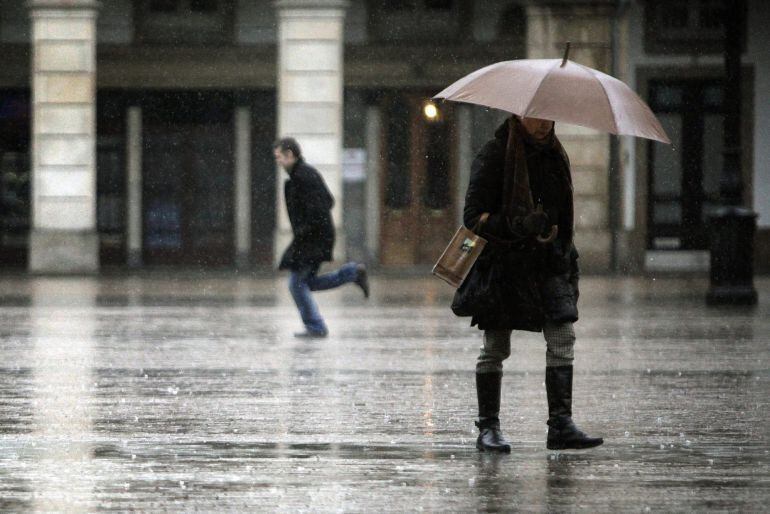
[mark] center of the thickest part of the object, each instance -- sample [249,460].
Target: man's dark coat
[309,204]
[523,268]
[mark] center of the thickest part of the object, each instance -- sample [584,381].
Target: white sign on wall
[354,164]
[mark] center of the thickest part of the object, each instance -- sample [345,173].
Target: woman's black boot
[488,392]
[562,432]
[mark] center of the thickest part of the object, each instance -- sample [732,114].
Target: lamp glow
[430,110]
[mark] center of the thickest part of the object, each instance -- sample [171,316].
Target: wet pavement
[166,392]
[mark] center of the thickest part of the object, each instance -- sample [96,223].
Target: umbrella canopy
[559,90]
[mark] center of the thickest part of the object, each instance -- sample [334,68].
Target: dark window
[413,20]
[439,4]
[110,185]
[185,22]
[263,172]
[208,6]
[677,15]
[668,96]
[164,5]
[14,188]
[687,26]
[398,5]
[110,164]
[513,27]
[713,96]
[710,14]
[14,176]
[398,185]
[437,180]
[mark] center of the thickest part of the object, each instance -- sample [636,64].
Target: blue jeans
[305,280]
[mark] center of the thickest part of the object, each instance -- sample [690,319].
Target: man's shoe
[311,335]
[562,432]
[490,438]
[362,279]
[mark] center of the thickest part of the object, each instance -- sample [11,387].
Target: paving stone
[188,392]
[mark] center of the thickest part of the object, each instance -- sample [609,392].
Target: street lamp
[732,225]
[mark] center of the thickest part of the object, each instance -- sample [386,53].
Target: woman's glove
[532,224]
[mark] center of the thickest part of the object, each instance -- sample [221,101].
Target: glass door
[188,202]
[418,180]
[187,178]
[684,177]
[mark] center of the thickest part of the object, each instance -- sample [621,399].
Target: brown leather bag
[461,253]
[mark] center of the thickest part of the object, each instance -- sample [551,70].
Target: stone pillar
[464,124]
[588,28]
[242,186]
[134,186]
[63,238]
[310,94]
[372,205]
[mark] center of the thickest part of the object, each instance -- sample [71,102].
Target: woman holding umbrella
[536,274]
[526,278]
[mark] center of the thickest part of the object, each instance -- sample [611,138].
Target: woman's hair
[288,143]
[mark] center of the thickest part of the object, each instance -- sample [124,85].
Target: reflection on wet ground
[185,393]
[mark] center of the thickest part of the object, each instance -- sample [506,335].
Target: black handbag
[480,291]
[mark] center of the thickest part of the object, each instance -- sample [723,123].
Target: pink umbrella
[559,90]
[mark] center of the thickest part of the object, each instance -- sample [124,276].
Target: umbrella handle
[550,237]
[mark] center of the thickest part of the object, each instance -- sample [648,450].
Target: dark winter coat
[535,281]
[309,204]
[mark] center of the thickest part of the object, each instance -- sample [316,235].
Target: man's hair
[288,143]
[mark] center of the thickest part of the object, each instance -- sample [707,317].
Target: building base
[63,252]
[732,295]
[134,259]
[243,261]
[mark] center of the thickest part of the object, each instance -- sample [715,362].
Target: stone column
[134,186]
[464,124]
[63,238]
[588,28]
[372,204]
[310,94]
[242,186]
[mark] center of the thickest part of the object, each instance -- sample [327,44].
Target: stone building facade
[672,54]
[138,133]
